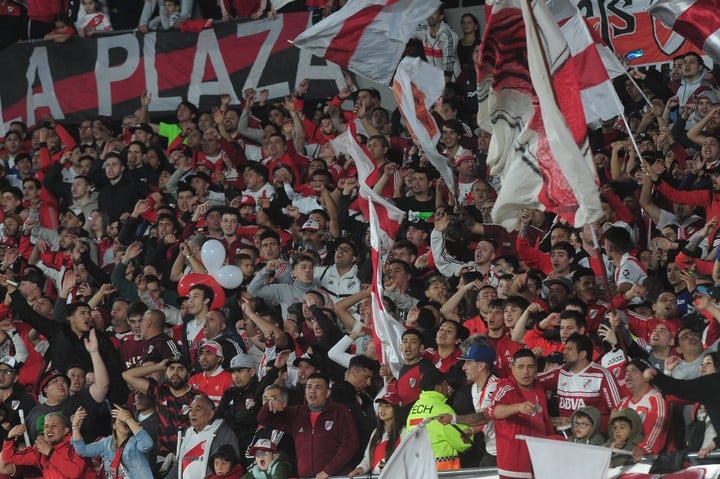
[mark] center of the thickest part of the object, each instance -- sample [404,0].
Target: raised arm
[101,386]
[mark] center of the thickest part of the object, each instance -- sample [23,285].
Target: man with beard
[340,279]
[52,453]
[12,396]
[580,382]
[172,400]
[213,380]
[55,387]
[216,329]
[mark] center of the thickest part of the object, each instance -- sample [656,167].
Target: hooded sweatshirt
[594,438]
[636,436]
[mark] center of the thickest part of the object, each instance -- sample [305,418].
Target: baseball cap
[141,126]
[478,352]
[464,158]
[390,397]
[561,281]
[8,361]
[641,364]
[214,347]
[200,174]
[50,376]
[310,225]
[241,361]
[262,445]
[247,200]
[180,359]
[310,359]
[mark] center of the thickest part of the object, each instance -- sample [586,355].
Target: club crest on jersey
[15,404]
[249,403]
[185,409]
[412,382]
[328,425]
[587,383]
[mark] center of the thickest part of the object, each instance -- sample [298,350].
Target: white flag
[367,36]
[593,461]
[414,457]
[416,86]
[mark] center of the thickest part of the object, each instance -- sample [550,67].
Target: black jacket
[66,349]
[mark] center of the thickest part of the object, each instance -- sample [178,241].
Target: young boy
[625,429]
[267,462]
[585,424]
[225,464]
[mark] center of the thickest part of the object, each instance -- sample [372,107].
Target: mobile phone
[632,55]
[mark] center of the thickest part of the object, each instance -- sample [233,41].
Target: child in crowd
[625,431]
[585,424]
[63,29]
[225,464]
[92,19]
[268,464]
[168,17]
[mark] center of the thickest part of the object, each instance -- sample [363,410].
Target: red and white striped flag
[416,86]
[539,145]
[367,36]
[599,98]
[696,20]
[384,220]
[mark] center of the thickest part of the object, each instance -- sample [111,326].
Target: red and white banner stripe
[367,36]
[696,20]
[539,146]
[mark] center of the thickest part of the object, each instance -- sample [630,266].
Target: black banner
[106,74]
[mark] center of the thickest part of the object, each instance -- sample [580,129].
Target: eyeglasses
[262,452]
[582,424]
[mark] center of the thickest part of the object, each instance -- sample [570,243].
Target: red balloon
[188,281]
[191,279]
[219,299]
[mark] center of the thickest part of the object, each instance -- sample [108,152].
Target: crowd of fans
[534,331]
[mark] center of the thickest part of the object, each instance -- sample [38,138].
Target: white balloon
[229,276]
[213,255]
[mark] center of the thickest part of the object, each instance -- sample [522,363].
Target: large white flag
[416,86]
[539,145]
[367,36]
[414,457]
[696,20]
[545,454]
[384,219]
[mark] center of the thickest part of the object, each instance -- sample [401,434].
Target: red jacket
[63,463]
[45,10]
[327,447]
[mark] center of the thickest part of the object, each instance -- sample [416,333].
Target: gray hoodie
[594,438]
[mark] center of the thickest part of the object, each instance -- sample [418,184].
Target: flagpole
[642,93]
[606,287]
[630,134]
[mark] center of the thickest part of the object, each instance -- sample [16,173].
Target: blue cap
[478,352]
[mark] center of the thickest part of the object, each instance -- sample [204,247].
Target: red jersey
[213,385]
[476,325]
[444,364]
[653,410]
[513,458]
[131,351]
[593,386]
[504,351]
